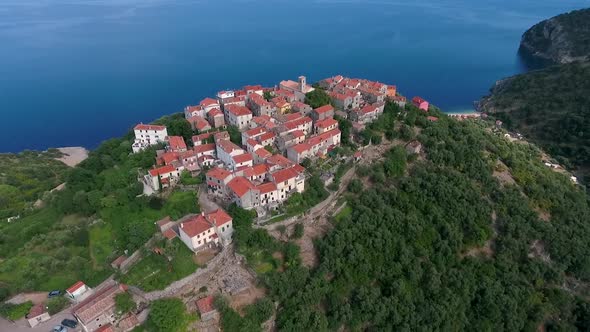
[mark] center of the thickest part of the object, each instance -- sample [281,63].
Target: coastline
[72,155]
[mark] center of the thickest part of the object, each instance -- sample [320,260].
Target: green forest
[550,107]
[440,243]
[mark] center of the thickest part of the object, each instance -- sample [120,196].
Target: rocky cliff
[561,39]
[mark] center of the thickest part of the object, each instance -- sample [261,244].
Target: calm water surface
[76,72]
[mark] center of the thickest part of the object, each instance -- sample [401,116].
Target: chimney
[202,213]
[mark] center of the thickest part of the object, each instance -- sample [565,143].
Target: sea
[77,72]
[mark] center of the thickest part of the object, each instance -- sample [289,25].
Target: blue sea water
[76,72]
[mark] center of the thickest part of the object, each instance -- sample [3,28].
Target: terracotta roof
[267,136]
[142,126]
[369,109]
[205,305]
[222,135]
[322,137]
[300,148]
[215,112]
[238,110]
[195,225]
[162,170]
[208,102]
[218,217]
[204,148]
[128,322]
[242,158]
[75,287]
[192,109]
[263,153]
[37,310]
[105,328]
[169,234]
[218,173]
[297,133]
[98,303]
[240,186]
[284,175]
[432,118]
[279,160]
[418,100]
[255,132]
[255,170]
[324,109]
[399,98]
[266,187]
[201,137]
[298,168]
[326,123]
[199,122]
[228,146]
[169,157]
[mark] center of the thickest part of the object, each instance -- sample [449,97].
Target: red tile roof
[162,170]
[218,173]
[204,148]
[242,158]
[263,153]
[432,118]
[215,112]
[75,287]
[169,234]
[205,305]
[142,126]
[326,123]
[267,136]
[208,102]
[37,310]
[324,109]
[297,133]
[255,170]
[300,148]
[238,110]
[201,137]
[228,146]
[369,109]
[284,175]
[298,168]
[255,132]
[266,187]
[240,186]
[279,160]
[105,328]
[218,217]
[195,225]
[98,303]
[418,100]
[117,262]
[176,142]
[169,157]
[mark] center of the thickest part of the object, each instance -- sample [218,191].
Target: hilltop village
[251,148]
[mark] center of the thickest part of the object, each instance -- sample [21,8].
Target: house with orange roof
[291,138]
[226,150]
[189,160]
[206,308]
[146,135]
[267,139]
[238,116]
[330,82]
[304,124]
[98,309]
[237,101]
[241,191]
[206,230]
[256,173]
[299,89]
[323,112]
[368,113]
[372,95]
[262,121]
[289,96]
[391,91]
[241,160]
[191,111]
[225,94]
[399,101]
[260,155]
[198,123]
[287,181]
[201,138]
[420,103]
[209,149]
[216,118]
[277,161]
[252,133]
[259,105]
[325,125]
[208,104]
[37,315]
[176,144]
[162,177]
[268,193]
[217,180]
[281,105]
[316,145]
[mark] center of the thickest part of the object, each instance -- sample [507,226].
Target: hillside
[561,39]
[550,107]
[473,234]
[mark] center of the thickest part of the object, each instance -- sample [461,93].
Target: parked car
[60,328]
[69,323]
[54,293]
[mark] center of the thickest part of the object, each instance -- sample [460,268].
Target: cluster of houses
[278,131]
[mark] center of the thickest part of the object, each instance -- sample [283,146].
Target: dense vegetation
[560,39]
[82,228]
[25,177]
[318,97]
[168,315]
[442,243]
[550,107]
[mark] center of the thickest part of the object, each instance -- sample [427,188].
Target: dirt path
[205,202]
[72,156]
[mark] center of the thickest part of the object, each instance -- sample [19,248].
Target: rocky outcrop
[561,39]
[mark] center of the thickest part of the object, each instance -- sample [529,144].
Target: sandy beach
[73,155]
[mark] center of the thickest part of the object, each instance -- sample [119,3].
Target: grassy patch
[155,272]
[263,267]
[344,213]
[15,311]
[102,243]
